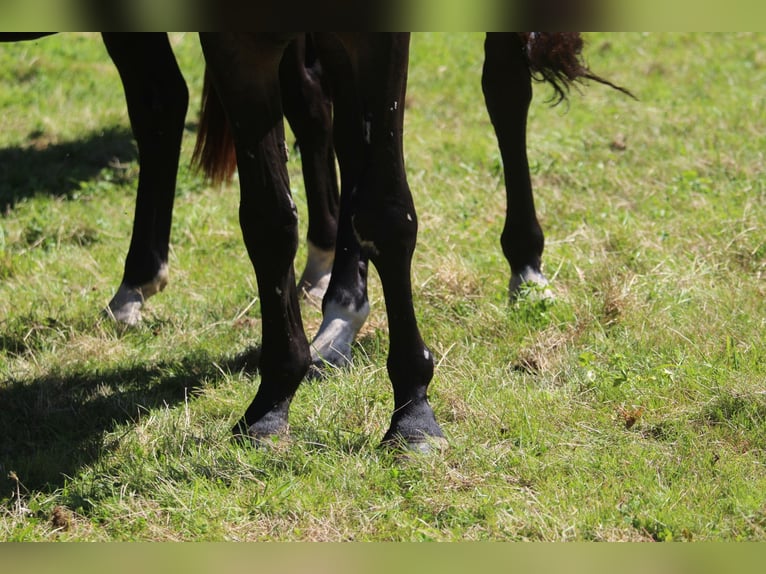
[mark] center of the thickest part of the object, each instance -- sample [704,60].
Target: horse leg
[384,221]
[244,71]
[345,306]
[157,100]
[507,87]
[308,109]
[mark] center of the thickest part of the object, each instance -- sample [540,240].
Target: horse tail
[556,58]
[214,151]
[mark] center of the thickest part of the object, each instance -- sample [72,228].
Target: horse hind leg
[157,99]
[335,271]
[345,306]
[308,109]
[507,87]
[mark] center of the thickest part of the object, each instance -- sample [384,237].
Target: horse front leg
[345,306]
[244,70]
[385,223]
[507,87]
[269,223]
[157,100]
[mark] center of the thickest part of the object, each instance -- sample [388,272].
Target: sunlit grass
[630,408]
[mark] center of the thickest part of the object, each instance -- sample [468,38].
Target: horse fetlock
[125,306]
[316,275]
[331,346]
[529,282]
[157,284]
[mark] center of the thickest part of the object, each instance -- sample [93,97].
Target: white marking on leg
[367,131]
[290,200]
[125,306]
[287,151]
[531,282]
[339,328]
[316,274]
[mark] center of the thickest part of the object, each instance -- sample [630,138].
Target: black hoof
[250,436]
[268,429]
[414,428]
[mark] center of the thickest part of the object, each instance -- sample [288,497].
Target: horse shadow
[53,426]
[59,169]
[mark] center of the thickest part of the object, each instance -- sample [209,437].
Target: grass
[632,407]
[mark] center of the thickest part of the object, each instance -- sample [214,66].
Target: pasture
[630,408]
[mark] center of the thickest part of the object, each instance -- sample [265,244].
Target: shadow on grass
[52,426]
[59,169]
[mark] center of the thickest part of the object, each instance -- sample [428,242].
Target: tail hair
[556,58]
[214,151]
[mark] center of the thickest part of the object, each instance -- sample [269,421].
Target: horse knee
[392,229]
[174,102]
[271,231]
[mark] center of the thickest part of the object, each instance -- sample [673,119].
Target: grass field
[633,407]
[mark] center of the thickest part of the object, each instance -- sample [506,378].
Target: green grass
[631,408]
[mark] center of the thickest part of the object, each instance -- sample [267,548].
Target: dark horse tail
[214,151]
[556,58]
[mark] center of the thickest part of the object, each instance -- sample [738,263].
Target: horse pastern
[125,306]
[316,275]
[530,283]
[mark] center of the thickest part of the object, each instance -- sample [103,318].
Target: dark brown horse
[511,63]
[369,73]
[366,75]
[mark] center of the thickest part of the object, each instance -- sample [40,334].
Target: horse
[369,75]
[336,273]
[377,223]
[375,219]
